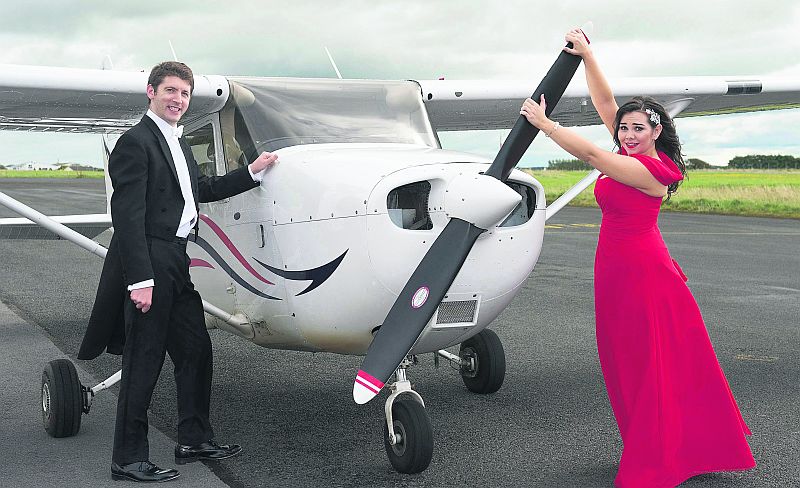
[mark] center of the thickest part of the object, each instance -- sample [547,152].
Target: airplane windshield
[266,114]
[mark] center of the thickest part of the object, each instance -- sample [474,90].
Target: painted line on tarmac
[562,227]
[758,358]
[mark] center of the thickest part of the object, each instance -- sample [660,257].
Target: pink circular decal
[420,297]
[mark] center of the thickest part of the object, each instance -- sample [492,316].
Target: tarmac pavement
[31,458]
[550,424]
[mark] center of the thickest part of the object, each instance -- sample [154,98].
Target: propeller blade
[552,85]
[424,291]
[414,307]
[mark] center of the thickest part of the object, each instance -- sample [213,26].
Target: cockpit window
[270,114]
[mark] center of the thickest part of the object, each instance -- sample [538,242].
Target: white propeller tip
[366,387]
[362,394]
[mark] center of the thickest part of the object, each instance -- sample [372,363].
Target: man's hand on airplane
[262,162]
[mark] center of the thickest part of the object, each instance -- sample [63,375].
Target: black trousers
[174,324]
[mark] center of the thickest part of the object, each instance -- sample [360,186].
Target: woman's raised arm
[599,89]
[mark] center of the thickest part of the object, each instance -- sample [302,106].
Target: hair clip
[654,117]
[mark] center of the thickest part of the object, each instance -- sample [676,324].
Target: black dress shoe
[210,451]
[144,471]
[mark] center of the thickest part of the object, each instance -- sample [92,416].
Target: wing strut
[239,322]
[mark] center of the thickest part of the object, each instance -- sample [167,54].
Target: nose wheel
[408,436]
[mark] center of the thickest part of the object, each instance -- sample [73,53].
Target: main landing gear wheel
[483,366]
[62,399]
[413,447]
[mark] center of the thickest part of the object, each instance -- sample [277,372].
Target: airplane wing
[39,98]
[493,104]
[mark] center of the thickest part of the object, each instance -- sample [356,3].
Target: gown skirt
[675,411]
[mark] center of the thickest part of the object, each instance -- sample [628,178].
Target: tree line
[760,161]
[755,161]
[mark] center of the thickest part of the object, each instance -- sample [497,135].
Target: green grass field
[761,193]
[6,173]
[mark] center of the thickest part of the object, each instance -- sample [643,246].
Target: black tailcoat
[147,202]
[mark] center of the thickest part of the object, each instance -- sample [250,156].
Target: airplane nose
[481,200]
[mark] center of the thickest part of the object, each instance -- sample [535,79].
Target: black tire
[414,449]
[62,399]
[489,358]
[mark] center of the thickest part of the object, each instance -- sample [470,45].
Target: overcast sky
[413,39]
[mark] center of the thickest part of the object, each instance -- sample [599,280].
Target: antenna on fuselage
[333,63]
[174,56]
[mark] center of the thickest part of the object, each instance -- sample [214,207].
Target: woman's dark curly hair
[667,141]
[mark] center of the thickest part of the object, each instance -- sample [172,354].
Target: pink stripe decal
[200,263]
[369,381]
[225,240]
[367,385]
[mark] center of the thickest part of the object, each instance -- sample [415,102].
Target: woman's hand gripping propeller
[422,294]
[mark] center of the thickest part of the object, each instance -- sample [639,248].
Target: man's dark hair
[170,68]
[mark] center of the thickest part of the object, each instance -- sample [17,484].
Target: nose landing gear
[408,436]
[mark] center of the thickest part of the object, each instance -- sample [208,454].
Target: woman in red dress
[674,409]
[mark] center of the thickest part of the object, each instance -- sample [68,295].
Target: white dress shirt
[171,134]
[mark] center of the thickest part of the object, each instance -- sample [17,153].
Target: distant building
[34,167]
[30,166]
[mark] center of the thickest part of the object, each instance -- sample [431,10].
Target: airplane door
[207,267]
[248,220]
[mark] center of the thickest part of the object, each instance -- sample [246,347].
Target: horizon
[548,163]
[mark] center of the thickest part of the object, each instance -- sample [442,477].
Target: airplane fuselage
[343,208]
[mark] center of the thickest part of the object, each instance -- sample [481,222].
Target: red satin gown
[675,411]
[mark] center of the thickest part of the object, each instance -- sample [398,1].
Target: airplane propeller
[474,204]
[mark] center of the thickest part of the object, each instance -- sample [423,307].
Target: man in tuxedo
[146,304]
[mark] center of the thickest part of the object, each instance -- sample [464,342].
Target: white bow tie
[178,131]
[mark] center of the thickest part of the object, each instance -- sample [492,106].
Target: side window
[237,143]
[201,140]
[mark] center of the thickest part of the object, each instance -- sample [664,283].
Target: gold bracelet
[556,125]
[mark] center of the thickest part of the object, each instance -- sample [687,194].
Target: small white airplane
[367,238]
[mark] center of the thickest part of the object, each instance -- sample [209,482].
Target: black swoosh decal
[317,276]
